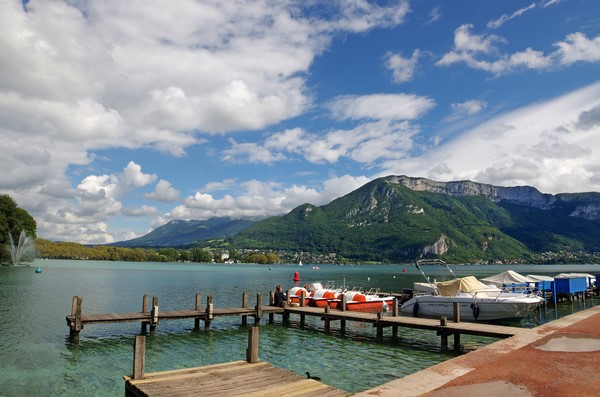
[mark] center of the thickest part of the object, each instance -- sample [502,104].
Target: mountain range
[399,218]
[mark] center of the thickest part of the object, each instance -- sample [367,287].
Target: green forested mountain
[399,218]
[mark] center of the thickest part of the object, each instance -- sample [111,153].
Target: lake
[37,357]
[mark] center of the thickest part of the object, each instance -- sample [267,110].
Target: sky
[119,116]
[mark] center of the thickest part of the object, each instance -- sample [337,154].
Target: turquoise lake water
[37,357]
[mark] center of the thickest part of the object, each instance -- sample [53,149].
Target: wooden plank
[229,379]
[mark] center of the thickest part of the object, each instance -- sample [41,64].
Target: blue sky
[117,117]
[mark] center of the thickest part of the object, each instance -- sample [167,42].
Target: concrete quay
[560,358]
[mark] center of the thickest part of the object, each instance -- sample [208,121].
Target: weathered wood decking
[238,378]
[380,321]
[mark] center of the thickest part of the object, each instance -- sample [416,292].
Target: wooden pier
[152,317]
[239,378]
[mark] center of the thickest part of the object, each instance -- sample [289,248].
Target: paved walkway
[560,358]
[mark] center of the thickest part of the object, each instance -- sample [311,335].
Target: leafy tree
[13,220]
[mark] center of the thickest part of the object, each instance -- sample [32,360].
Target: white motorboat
[477,301]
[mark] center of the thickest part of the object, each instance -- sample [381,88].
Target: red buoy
[404,270]
[296,276]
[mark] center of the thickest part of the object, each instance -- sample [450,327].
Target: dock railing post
[76,326]
[456,312]
[154,314]
[209,312]
[198,308]
[258,314]
[395,312]
[244,305]
[145,302]
[139,357]
[343,308]
[271,303]
[252,350]
[443,332]
[379,333]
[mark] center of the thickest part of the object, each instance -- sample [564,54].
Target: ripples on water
[36,356]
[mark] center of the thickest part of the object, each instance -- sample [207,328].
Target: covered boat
[477,301]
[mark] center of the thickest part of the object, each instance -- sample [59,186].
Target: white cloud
[552,145]
[144,210]
[366,143]
[163,191]
[494,24]
[434,15]
[469,107]
[402,68]
[380,106]
[479,52]
[261,199]
[578,48]
[76,77]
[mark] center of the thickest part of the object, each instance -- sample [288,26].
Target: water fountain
[25,246]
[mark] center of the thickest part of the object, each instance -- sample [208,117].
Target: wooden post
[154,314]
[209,312]
[252,350]
[258,315]
[442,332]
[145,302]
[198,308]
[326,319]
[77,325]
[456,311]
[343,308]
[302,304]
[457,341]
[244,305]
[379,334]
[271,303]
[395,313]
[139,356]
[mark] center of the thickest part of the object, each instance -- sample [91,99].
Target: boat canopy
[538,277]
[508,277]
[463,284]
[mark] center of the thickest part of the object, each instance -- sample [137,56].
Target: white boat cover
[463,284]
[538,277]
[574,275]
[509,277]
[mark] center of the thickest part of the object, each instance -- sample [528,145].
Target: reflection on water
[37,357]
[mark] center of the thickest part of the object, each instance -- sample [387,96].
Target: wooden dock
[239,378]
[152,317]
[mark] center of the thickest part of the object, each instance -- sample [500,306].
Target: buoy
[404,270]
[475,308]
[296,276]
[38,269]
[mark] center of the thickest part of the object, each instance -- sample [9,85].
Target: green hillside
[390,222]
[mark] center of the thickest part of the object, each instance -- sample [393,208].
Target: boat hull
[480,309]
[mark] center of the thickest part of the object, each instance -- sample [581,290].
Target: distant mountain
[399,218]
[179,233]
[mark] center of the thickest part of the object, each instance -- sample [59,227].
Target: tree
[13,220]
